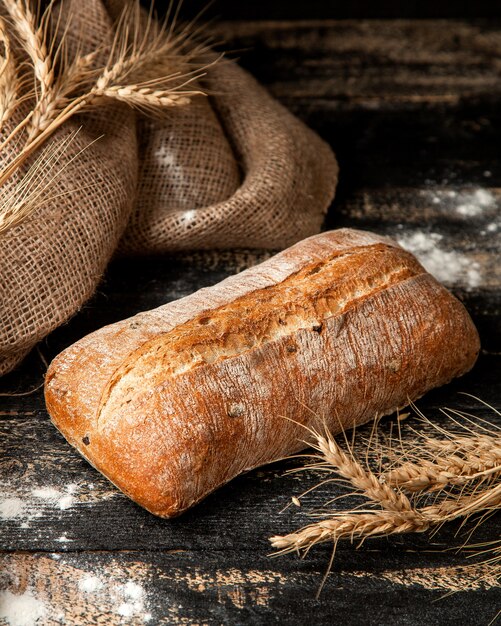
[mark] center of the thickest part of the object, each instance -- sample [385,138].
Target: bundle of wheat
[460,467]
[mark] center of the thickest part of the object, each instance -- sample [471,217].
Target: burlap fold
[238,171]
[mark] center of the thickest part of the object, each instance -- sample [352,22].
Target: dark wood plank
[179,588]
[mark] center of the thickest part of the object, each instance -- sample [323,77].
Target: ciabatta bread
[174,402]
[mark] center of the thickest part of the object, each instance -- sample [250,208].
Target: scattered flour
[21,610]
[127,599]
[134,597]
[63,500]
[46,493]
[89,584]
[493,227]
[475,203]
[11,508]
[448,266]
[467,202]
[124,599]
[133,590]
[28,507]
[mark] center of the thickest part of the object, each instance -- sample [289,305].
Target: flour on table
[30,506]
[102,594]
[134,597]
[475,203]
[63,500]
[11,508]
[465,202]
[448,266]
[89,584]
[127,599]
[21,610]
[21,505]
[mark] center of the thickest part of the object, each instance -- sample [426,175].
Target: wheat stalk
[472,464]
[33,190]
[352,525]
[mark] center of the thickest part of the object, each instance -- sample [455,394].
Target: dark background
[335,9]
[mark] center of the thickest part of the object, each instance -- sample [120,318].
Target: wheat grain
[352,526]
[428,476]
[363,479]
[146,98]
[9,81]
[32,34]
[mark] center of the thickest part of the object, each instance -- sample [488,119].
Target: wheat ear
[351,526]
[363,479]
[9,81]
[32,34]
[453,471]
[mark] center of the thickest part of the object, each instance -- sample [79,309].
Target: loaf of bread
[336,330]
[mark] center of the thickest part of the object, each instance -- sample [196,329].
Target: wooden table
[412,109]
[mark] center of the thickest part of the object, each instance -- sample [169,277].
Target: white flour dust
[448,266]
[89,584]
[475,203]
[22,505]
[479,202]
[61,499]
[26,507]
[21,610]
[11,508]
[127,599]
[101,595]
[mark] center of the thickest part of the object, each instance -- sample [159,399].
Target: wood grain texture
[280,10]
[180,587]
[402,145]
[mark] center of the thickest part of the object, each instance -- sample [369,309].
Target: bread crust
[174,402]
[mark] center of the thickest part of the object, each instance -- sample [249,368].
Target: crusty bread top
[305,299]
[213,323]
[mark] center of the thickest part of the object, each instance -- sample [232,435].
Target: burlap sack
[238,170]
[51,263]
[232,170]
